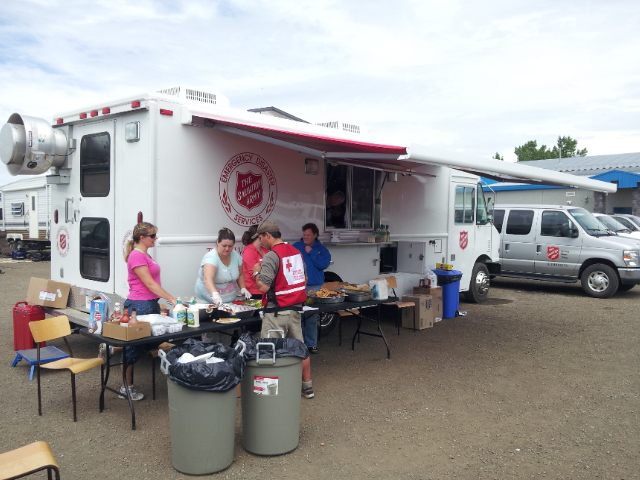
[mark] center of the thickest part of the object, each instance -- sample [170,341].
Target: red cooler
[23,313]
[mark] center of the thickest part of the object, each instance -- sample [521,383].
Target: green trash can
[202,406]
[271,401]
[203,428]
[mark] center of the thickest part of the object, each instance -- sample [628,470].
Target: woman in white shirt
[221,273]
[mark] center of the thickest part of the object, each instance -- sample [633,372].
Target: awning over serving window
[343,147]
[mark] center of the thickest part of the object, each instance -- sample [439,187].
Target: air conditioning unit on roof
[344,127]
[196,95]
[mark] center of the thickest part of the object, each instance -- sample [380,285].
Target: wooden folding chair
[29,459]
[51,329]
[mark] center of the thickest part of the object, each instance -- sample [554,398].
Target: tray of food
[324,295]
[231,310]
[356,294]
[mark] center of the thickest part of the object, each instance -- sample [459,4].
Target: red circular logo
[248,189]
[62,241]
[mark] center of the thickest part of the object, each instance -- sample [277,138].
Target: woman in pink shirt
[144,290]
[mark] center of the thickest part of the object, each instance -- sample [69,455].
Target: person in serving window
[316,258]
[336,209]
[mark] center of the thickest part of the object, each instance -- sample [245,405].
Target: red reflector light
[94,113]
[83,115]
[135,104]
[55,216]
[164,111]
[59,121]
[106,110]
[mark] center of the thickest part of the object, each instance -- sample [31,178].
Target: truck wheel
[328,322]
[478,285]
[599,281]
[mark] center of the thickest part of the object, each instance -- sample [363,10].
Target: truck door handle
[67,217]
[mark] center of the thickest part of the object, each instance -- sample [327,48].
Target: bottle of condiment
[180,311]
[134,318]
[193,314]
[164,311]
[124,319]
[116,314]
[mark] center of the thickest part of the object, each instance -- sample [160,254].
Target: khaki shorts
[287,320]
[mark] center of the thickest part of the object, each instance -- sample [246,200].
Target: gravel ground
[540,381]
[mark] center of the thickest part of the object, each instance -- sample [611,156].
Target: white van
[565,244]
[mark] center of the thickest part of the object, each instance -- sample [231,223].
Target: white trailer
[185,161]
[24,213]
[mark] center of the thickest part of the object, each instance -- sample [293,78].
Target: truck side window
[349,197]
[95,164]
[482,217]
[554,224]
[94,248]
[498,218]
[519,222]
[464,205]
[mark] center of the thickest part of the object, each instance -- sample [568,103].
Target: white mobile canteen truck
[185,161]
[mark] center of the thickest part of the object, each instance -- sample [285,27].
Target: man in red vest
[281,278]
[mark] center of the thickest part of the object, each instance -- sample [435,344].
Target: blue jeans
[143,307]
[310,323]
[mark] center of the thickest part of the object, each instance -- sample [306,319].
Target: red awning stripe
[322,143]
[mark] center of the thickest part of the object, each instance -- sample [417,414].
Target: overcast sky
[474,76]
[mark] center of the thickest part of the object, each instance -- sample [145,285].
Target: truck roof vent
[196,95]
[344,126]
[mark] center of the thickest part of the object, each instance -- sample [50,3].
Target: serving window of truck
[350,193]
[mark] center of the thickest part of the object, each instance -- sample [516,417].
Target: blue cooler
[449,280]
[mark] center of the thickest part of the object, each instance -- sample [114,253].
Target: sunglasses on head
[153,235]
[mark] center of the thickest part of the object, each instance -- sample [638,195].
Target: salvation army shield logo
[553,253]
[62,241]
[248,189]
[464,240]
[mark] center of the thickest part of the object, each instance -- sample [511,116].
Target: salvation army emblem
[248,189]
[553,253]
[464,240]
[62,243]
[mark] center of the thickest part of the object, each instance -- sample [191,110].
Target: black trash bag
[285,347]
[446,279]
[209,377]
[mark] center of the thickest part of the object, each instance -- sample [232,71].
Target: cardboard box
[115,330]
[334,285]
[424,312]
[436,293]
[48,293]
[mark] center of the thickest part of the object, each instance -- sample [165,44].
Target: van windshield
[590,223]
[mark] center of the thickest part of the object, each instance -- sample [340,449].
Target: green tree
[497,156]
[566,147]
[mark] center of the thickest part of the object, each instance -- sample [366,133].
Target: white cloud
[479,77]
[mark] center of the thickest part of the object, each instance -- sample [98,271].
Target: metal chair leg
[73,395]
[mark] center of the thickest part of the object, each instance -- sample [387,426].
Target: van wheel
[327,322]
[478,285]
[599,281]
